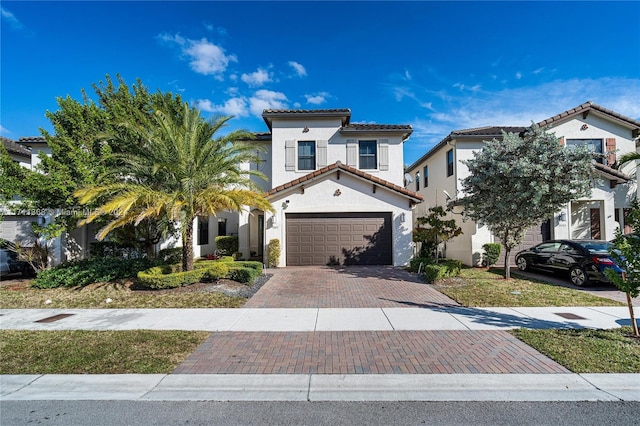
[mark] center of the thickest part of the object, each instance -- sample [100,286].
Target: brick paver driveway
[360,352]
[345,287]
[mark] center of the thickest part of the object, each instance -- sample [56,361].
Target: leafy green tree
[626,253]
[86,136]
[520,181]
[432,230]
[180,171]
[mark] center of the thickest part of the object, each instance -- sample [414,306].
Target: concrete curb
[318,387]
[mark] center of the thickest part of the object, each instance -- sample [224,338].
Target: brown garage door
[534,235]
[338,239]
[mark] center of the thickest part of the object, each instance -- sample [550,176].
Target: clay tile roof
[351,170]
[343,113]
[611,173]
[584,108]
[32,139]
[489,130]
[405,129]
[15,148]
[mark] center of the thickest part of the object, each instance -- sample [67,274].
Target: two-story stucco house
[437,176]
[337,190]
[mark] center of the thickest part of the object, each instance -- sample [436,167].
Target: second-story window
[306,155]
[417,181]
[595,145]
[450,163]
[425,176]
[368,154]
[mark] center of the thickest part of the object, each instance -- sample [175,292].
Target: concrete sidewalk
[317,319]
[324,387]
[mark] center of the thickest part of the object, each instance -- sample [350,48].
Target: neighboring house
[337,190]
[437,176]
[16,225]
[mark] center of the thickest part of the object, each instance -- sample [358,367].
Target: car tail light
[603,261]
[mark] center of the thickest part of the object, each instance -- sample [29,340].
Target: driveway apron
[360,352]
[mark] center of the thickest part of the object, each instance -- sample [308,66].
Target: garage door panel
[345,238]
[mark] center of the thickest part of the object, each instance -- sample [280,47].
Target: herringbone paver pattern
[345,287]
[366,352]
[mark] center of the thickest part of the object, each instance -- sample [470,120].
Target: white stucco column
[243,234]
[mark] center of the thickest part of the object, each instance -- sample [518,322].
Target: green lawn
[110,295]
[481,288]
[95,352]
[587,351]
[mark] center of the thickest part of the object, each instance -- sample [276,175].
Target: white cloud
[4,130]
[538,71]
[10,18]
[298,68]
[234,106]
[266,99]
[205,57]
[518,75]
[257,78]
[317,99]
[407,75]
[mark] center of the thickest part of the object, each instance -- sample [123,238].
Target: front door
[595,224]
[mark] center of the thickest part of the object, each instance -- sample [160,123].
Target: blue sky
[438,66]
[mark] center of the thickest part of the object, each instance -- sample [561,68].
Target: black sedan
[584,260]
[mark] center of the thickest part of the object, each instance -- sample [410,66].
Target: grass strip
[587,350]
[95,352]
[477,287]
[111,296]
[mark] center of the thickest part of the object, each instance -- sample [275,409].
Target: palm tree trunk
[187,246]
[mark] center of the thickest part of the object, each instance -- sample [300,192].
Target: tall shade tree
[523,180]
[180,171]
[625,251]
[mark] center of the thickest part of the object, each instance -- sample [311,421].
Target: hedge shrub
[273,253]
[491,253]
[244,275]
[80,273]
[445,268]
[227,244]
[169,276]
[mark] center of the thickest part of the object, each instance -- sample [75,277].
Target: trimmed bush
[242,274]
[446,268]
[227,244]
[169,276]
[491,253]
[249,264]
[273,253]
[216,271]
[80,273]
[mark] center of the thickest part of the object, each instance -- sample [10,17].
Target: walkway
[321,333]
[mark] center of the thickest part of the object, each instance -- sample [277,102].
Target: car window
[548,247]
[566,248]
[597,246]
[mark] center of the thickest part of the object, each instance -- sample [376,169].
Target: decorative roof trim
[337,167]
[269,114]
[404,129]
[584,109]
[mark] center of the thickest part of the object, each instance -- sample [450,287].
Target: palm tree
[180,171]
[628,158]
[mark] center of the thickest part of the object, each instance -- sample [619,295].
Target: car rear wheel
[522,263]
[578,276]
